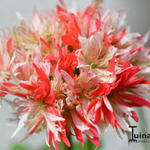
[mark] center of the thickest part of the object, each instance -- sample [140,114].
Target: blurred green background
[76,146]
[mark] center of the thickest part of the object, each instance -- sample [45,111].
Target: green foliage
[19,147]
[88,146]
[75,146]
[44,148]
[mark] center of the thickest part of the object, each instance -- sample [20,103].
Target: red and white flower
[74,73]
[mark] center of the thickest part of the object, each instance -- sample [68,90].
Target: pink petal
[9,45]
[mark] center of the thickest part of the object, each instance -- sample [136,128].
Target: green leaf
[19,147]
[44,148]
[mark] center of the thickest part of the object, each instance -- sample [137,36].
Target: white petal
[79,124]
[107,103]
[68,79]
[54,118]
[21,124]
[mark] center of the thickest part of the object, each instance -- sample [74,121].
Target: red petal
[55,143]
[65,139]
[107,103]
[97,27]
[98,24]
[51,98]
[134,116]
[133,81]
[9,45]
[94,140]
[91,105]
[135,50]
[108,39]
[60,51]
[120,35]
[111,66]
[110,116]
[50,137]
[27,86]
[101,89]
[53,111]
[146,82]
[74,25]
[9,84]
[135,99]
[70,40]
[35,127]
[97,115]
[122,102]
[41,74]
[78,133]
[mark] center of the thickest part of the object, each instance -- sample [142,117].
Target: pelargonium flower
[74,73]
[123,91]
[38,107]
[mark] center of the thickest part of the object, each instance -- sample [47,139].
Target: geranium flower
[74,73]
[37,108]
[124,91]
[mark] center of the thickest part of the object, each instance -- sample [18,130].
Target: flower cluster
[74,73]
